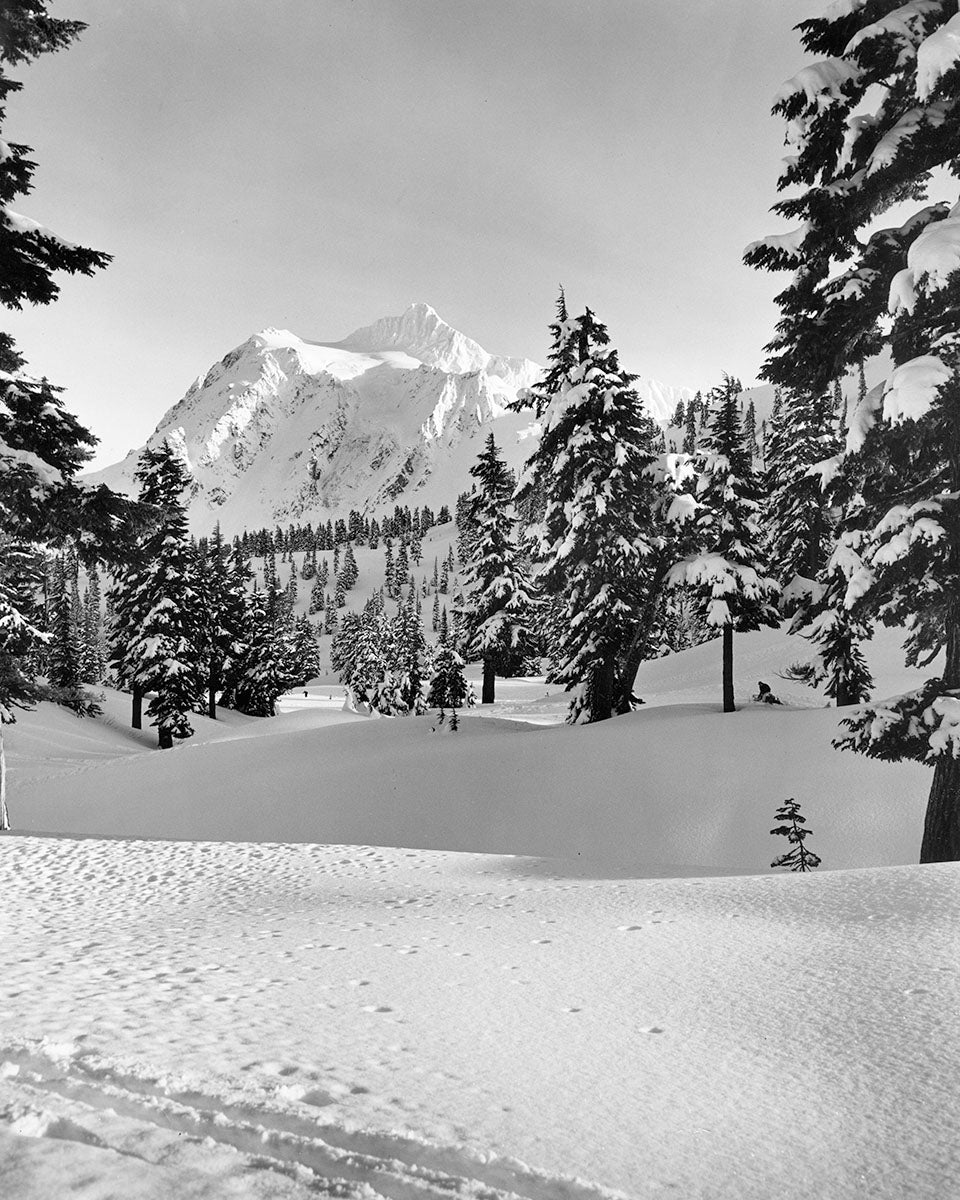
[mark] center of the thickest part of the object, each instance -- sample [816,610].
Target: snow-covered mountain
[287,430]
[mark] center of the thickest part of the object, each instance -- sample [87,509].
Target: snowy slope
[677,785]
[283,429]
[231,1014]
[241,1017]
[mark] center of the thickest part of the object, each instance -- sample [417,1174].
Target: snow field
[257,1020]
[371,960]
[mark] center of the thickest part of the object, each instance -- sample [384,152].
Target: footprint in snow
[628,928]
[377,1008]
[651,1029]
[542,941]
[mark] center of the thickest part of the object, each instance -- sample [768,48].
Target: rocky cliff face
[285,430]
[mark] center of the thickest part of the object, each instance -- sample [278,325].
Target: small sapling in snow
[799,858]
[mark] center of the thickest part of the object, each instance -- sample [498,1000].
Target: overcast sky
[317,164]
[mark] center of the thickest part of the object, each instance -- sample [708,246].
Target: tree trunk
[489,677]
[601,697]
[941,827]
[164,738]
[136,719]
[640,642]
[212,690]
[728,702]
[4,814]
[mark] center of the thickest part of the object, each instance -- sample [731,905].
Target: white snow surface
[512,961]
[937,55]
[912,388]
[285,429]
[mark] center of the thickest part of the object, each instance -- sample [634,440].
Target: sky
[314,165]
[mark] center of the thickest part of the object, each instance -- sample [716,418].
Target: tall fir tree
[499,598]
[158,604]
[42,446]
[690,428]
[63,663]
[93,662]
[596,544]
[800,529]
[727,571]
[877,121]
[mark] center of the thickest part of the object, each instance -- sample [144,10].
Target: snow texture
[912,388]
[937,55]
[517,968]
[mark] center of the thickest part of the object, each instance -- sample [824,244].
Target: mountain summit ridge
[283,429]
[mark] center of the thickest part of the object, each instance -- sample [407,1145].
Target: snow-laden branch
[821,83]
[936,56]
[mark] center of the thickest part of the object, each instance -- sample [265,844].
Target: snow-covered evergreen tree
[495,580]
[596,544]
[727,570]
[800,528]
[448,686]
[690,428]
[562,359]
[64,651]
[223,577]
[874,122]
[306,649]
[93,659]
[266,672]
[157,602]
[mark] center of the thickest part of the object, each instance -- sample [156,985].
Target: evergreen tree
[93,662]
[875,124]
[329,616]
[401,574]
[750,430]
[63,664]
[679,418]
[596,544]
[496,583]
[349,574]
[268,668]
[389,576]
[223,616]
[799,858]
[800,529]
[316,595]
[30,254]
[561,359]
[690,430]
[42,446]
[306,650]
[728,572]
[448,686]
[158,602]
[410,663]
